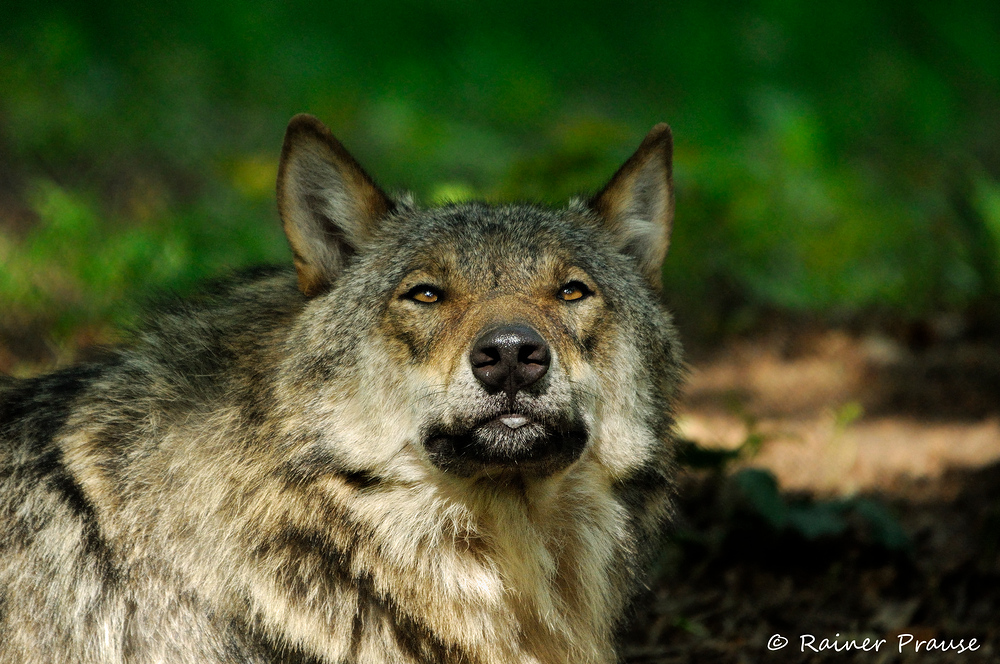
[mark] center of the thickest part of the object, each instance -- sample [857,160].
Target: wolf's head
[486,341]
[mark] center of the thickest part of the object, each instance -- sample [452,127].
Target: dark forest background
[839,159]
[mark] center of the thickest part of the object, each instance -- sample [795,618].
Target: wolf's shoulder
[180,346]
[222,313]
[255,296]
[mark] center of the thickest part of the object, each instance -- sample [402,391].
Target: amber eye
[424,294]
[574,290]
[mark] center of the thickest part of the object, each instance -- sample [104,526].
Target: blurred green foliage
[836,158]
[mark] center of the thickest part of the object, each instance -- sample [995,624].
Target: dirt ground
[838,417]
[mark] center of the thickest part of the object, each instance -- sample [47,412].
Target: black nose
[509,358]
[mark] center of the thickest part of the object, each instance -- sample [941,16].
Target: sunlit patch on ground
[823,414]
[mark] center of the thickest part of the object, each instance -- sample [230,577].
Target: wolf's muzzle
[509,358]
[493,447]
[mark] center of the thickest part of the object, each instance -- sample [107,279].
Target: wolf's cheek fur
[623,437]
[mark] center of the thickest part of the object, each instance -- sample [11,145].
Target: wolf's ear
[328,204]
[637,205]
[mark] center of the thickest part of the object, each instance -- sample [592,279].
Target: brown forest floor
[838,415]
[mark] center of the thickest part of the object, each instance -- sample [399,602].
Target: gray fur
[249,480]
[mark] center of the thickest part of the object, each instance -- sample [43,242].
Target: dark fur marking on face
[317,461]
[130,639]
[305,468]
[418,349]
[362,480]
[254,412]
[115,437]
[324,368]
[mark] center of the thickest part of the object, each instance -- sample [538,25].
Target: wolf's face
[500,319]
[517,338]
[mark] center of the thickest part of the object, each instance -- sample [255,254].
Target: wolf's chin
[494,446]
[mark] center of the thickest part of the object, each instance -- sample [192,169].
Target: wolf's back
[71,588]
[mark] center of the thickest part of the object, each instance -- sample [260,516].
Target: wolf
[445,436]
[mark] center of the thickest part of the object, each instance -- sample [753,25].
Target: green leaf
[883,526]
[760,488]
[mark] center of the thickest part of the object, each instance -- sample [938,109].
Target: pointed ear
[328,205]
[637,205]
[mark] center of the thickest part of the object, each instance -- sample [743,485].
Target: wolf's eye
[574,290]
[424,294]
